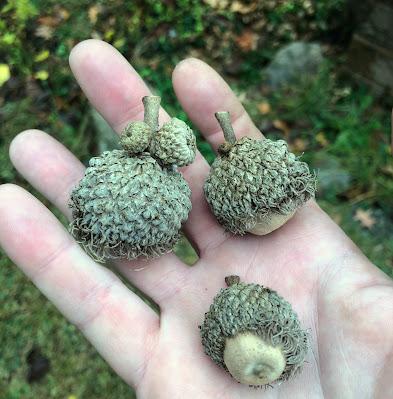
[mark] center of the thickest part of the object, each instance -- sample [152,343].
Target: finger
[89,295]
[202,92]
[116,90]
[55,175]
[47,165]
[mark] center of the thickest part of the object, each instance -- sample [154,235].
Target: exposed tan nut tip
[250,360]
[270,223]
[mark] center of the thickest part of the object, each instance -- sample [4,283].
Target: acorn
[254,334]
[137,135]
[256,185]
[128,204]
[174,144]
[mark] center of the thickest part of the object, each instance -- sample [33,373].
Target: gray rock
[107,139]
[333,179]
[293,63]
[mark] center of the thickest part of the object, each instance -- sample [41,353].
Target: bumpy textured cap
[174,144]
[253,309]
[136,137]
[251,179]
[125,207]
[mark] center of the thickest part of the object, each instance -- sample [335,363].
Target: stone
[106,138]
[293,63]
[333,179]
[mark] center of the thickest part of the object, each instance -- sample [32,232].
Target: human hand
[345,301]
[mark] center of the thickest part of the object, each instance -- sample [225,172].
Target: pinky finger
[117,322]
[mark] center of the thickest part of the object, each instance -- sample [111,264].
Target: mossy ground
[338,125]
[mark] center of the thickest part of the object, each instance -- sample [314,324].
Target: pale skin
[344,300]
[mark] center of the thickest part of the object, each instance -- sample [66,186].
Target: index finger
[116,90]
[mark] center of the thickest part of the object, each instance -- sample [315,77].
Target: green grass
[28,319]
[338,124]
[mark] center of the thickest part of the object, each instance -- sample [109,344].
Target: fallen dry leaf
[299,145]
[63,14]
[264,107]
[365,218]
[44,31]
[38,365]
[217,4]
[241,8]
[388,170]
[281,125]
[60,103]
[49,20]
[33,89]
[41,75]
[321,139]
[42,56]
[93,12]
[5,73]
[247,41]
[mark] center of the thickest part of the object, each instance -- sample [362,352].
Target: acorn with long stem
[131,203]
[254,334]
[255,185]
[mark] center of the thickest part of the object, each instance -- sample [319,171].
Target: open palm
[344,301]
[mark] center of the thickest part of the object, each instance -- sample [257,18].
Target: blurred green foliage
[343,131]
[344,122]
[28,319]
[331,119]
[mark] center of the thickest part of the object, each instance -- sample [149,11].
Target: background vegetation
[341,128]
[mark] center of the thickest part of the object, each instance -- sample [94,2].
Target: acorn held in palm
[254,334]
[132,202]
[256,185]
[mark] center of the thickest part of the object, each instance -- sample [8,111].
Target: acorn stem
[224,119]
[152,108]
[231,280]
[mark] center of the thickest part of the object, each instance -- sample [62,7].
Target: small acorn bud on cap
[174,144]
[136,137]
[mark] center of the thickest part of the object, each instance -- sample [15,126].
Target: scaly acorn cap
[256,185]
[174,144]
[126,207]
[137,135]
[254,334]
